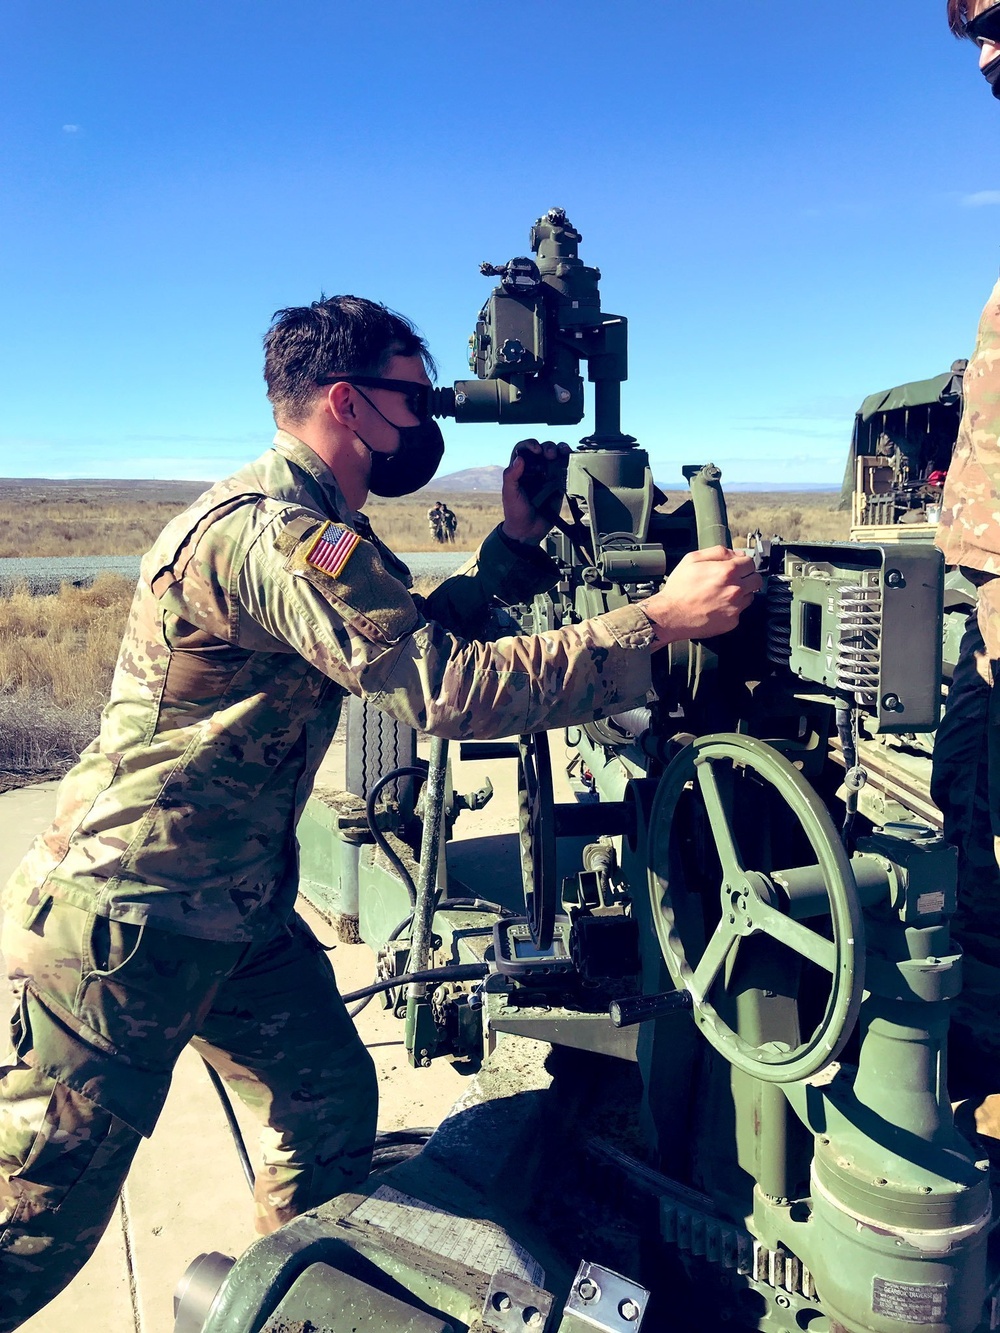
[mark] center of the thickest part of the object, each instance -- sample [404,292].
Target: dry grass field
[57,653]
[50,518]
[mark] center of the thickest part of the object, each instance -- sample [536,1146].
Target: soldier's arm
[501,573]
[359,625]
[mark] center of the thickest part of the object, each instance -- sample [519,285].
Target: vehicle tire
[376,744]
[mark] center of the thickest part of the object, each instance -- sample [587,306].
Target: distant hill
[489,479]
[798,487]
[469,479]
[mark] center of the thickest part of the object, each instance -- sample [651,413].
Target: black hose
[410,771]
[453,972]
[391,1145]
[465,904]
[234,1128]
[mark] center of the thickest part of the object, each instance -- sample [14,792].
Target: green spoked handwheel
[751,905]
[537,836]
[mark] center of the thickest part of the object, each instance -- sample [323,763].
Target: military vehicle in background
[715,1009]
[900,451]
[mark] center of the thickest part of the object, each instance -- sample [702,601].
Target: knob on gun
[641,1008]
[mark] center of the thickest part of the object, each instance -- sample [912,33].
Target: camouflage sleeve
[969,530]
[358,625]
[501,573]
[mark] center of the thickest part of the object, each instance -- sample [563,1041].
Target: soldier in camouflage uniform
[966,778]
[435,521]
[159,907]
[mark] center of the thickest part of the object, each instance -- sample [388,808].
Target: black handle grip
[487,750]
[641,1008]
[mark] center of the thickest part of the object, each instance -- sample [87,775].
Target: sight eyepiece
[442,402]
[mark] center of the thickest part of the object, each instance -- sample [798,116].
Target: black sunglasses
[417,396]
[985,27]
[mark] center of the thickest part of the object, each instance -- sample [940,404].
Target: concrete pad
[24,813]
[99,1298]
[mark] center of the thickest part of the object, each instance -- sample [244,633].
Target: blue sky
[793,205]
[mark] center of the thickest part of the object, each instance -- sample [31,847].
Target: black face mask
[414,463]
[991,73]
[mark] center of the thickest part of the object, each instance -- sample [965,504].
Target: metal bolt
[890,702]
[532,1317]
[588,1290]
[782,1301]
[880,1180]
[501,1301]
[460,399]
[629,1310]
[894,579]
[925,1189]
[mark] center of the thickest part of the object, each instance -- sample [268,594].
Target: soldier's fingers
[744,567]
[525,447]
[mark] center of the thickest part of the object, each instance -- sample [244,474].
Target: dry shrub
[49,522]
[402,524]
[794,518]
[58,518]
[57,656]
[39,740]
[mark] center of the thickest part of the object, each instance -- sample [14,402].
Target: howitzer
[750,958]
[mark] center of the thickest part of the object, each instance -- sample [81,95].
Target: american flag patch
[332,549]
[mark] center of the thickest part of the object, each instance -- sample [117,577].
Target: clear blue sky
[794,206]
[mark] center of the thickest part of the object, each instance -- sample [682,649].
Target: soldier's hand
[704,596]
[534,483]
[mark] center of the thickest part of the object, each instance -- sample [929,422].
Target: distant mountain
[831,487]
[489,479]
[469,479]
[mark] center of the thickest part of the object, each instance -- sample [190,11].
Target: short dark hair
[336,335]
[958,17]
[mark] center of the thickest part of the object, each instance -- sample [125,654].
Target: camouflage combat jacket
[237,655]
[969,531]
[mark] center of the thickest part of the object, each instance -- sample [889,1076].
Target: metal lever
[641,1008]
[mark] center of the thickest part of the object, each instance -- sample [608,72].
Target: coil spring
[859,652]
[779,619]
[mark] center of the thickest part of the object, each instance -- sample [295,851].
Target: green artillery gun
[715,1092]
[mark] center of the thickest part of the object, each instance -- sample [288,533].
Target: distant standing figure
[450,523]
[435,521]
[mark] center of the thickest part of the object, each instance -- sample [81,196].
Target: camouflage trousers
[965,786]
[103,1010]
